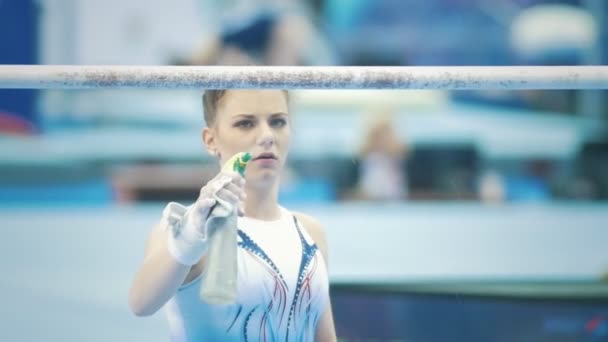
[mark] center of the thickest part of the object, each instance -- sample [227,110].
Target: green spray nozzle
[238,162]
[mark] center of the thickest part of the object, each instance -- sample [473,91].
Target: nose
[266,137]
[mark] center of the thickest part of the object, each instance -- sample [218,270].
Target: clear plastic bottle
[220,275]
[221,270]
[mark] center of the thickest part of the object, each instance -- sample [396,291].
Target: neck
[262,201]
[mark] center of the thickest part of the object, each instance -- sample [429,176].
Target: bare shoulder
[315,229]
[312,224]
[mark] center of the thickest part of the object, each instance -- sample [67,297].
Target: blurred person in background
[261,32]
[283,286]
[382,176]
[491,187]
[553,34]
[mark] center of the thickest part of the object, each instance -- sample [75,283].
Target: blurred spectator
[553,34]
[265,32]
[492,187]
[382,176]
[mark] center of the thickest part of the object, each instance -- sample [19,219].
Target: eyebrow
[251,116]
[244,116]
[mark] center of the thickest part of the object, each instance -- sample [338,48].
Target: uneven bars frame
[298,77]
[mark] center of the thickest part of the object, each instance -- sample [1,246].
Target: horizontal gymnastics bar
[300,77]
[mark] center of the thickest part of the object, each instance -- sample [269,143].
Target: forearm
[156,282]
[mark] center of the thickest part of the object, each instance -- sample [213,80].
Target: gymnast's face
[254,121]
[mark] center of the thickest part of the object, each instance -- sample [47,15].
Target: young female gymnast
[283,288]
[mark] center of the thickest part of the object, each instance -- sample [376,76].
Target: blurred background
[450,215]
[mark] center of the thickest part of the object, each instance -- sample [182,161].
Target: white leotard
[283,289]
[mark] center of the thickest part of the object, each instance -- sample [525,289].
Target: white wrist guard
[185,241]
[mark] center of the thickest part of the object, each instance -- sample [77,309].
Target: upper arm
[325,329]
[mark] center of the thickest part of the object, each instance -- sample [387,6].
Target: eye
[278,122]
[245,124]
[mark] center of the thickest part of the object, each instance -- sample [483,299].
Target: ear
[209,140]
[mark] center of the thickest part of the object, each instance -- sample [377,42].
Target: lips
[266,155]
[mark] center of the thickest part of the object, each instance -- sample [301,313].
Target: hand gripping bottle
[220,274]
